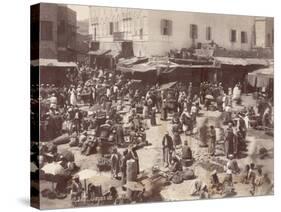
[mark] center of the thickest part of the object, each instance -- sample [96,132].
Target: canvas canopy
[131,61]
[150,66]
[261,77]
[242,61]
[53,63]
[99,52]
[167,85]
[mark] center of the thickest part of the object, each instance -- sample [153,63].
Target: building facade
[57,32]
[156,32]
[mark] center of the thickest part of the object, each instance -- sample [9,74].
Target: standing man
[228,142]
[164,110]
[189,90]
[212,141]
[115,163]
[132,154]
[123,167]
[76,189]
[167,145]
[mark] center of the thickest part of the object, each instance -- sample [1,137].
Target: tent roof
[242,61]
[131,61]
[264,71]
[113,53]
[99,52]
[143,67]
[154,65]
[167,85]
[53,63]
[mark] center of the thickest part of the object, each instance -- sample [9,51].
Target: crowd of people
[103,112]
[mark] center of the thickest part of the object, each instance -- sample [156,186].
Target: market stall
[261,77]
[56,72]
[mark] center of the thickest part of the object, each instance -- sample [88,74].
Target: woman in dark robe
[153,117]
[164,110]
[119,134]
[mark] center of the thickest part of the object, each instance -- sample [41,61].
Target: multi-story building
[155,32]
[57,32]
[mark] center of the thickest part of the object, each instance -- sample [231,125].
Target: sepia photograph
[132,105]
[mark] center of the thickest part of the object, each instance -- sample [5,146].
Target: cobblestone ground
[151,155]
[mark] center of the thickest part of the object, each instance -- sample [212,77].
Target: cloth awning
[257,61]
[99,52]
[53,63]
[268,72]
[132,61]
[242,61]
[163,67]
[261,77]
[142,68]
[113,54]
[166,86]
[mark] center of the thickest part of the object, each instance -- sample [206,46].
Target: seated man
[198,187]
[187,159]
[232,165]
[89,145]
[176,164]
[186,151]
[215,183]
[228,186]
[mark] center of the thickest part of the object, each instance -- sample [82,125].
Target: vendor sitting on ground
[176,164]
[76,189]
[69,166]
[232,165]
[228,186]
[186,151]
[198,187]
[215,182]
[89,146]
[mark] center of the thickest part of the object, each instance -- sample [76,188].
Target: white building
[155,32]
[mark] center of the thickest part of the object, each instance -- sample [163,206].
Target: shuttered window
[208,33]
[193,31]
[141,33]
[111,28]
[244,38]
[233,35]
[166,27]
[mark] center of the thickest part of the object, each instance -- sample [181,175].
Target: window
[166,27]
[110,28]
[268,38]
[208,33]
[116,27]
[141,33]
[127,25]
[46,29]
[193,31]
[233,35]
[62,27]
[244,37]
